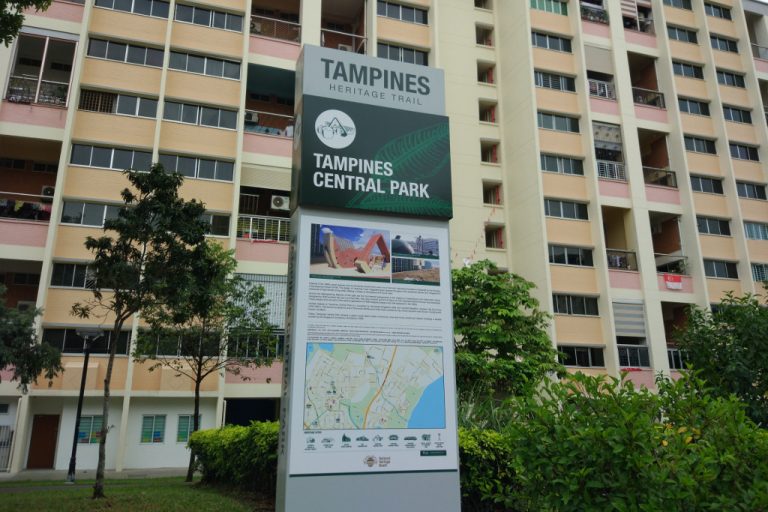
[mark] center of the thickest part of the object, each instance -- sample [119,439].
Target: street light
[89,336]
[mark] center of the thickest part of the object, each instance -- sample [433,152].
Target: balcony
[263,228]
[659,177]
[267,123]
[15,205]
[28,90]
[760,52]
[41,72]
[342,40]
[611,170]
[601,89]
[648,97]
[671,264]
[621,260]
[275,28]
[594,13]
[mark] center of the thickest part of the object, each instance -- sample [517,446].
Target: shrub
[236,455]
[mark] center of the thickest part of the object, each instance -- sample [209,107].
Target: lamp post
[89,336]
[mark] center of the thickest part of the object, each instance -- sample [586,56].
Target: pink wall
[596,29]
[613,188]
[264,375]
[267,144]
[53,117]
[61,11]
[662,194]
[275,48]
[271,252]
[624,279]
[686,282]
[604,106]
[761,65]
[644,378]
[6,374]
[658,115]
[23,232]
[640,38]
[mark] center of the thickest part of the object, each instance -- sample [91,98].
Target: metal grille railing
[24,89]
[255,227]
[648,97]
[660,177]
[6,442]
[601,89]
[594,14]
[611,170]
[343,40]
[97,101]
[273,27]
[671,264]
[759,52]
[620,259]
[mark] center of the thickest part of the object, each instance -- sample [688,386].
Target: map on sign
[373,386]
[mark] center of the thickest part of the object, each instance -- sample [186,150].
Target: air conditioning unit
[47,192]
[280,203]
[345,47]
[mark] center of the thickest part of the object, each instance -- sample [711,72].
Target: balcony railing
[24,89]
[14,205]
[268,123]
[611,170]
[257,227]
[601,89]
[648,97]
[678,359]
[275,28]
[342,41]
[594,14]
[760,52]
[659,177]
[640,25]
[633,356]
[622,260]
[671,263]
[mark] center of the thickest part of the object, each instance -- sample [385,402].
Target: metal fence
[256,227]
[6,441]
[611,170]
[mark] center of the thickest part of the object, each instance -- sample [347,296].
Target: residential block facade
[613,152]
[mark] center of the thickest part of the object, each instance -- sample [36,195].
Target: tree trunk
[195,427]
[98,487]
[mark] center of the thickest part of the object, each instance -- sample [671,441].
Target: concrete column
[23,425]
[310,15]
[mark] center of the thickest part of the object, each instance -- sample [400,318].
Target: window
[209,18]
[756,230]
[633,352]
[553,6]
[553,81]
[707,185]
[574,305]
[110,158]
[720,269]
[760,272]
[681,34]
[717,11]
[584,357]
[697,108]
[71,275]
[737,115]
[26,279]
[122,52]
[204,65]
[688,70]
[202,168]
[401,54]
[219,224]
[186,424]
[401,12]
[712,226]
[492,193]
[558,122]
[4,408]
[562,164]
[153,428]
[156,8]
[677,359]
[549,42]
[723,44]
[88,214]
[204,116]
[68,342]
[90,429]
[494,237]
[565,209]
[680,4]
[743,152]
[699,145]
[750,190]
[730,79]
[121,104]
[564,255]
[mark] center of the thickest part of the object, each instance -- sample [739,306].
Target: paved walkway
[51,475]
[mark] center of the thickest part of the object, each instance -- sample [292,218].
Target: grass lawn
[158,494]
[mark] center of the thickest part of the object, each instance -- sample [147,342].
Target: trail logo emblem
[335,129]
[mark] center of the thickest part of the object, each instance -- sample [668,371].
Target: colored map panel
[373,386]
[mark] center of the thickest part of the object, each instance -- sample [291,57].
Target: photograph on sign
[409,245]
[416,271]
[345,252]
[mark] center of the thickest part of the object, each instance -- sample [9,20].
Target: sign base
[381,492]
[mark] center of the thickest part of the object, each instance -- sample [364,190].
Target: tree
[213,322]
[12,16]
[141,250]
[501,341]
[727,347]
[19,349]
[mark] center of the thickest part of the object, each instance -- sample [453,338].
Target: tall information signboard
[368,415]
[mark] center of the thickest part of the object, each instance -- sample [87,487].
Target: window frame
[759,272]
[691,36]
[575,166]
[744,152]
[589,304]
[112,150]
[568,124]
[700,145]
[206,63]
[696,70]
[750,190]
[556,209]
[199,115]
[684,104]
[418,12]
[592,360]
[720,269]
[133,7]
[737,115]
[105,213]
[572,255]
[421,55]
[79,272]
[717,11]
[723,44]
[545,80]
[211,18]
[163,158]
[713,226]
[87,430]
[723,77]
[152,439]
[564,45]
[126,52]
[717,190]
[754,230]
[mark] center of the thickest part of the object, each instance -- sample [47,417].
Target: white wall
[10,418]
[87,454]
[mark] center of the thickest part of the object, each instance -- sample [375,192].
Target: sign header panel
[348,76]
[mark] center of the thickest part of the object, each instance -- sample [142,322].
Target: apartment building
[613,152]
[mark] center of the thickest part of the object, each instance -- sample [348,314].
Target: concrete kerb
[40,475]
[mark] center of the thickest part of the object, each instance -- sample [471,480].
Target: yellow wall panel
[557,101]
[206,40]
[564,186]
[571,279]
[410,34]
[198,140]
[560,143]
[550,22]
[718,247]
[99,184]
[120,76]
[579,329]
[216,195]
[127,26]
[719,287]
[133,132]
[555,61]
[569,232]
[702,163]
[203,89]
[712,205]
